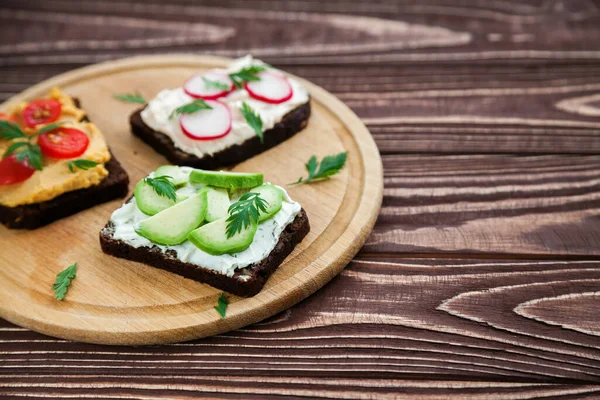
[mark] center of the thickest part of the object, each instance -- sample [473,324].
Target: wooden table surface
[482,276]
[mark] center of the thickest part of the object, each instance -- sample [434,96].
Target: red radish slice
[272,88]
[207,124]
[198,88]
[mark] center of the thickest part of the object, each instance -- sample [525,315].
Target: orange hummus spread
[55,178]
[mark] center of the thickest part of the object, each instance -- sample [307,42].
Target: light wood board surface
[115,301]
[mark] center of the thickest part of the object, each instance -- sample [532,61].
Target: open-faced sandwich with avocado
[54,163]
[229,230]
[224,116]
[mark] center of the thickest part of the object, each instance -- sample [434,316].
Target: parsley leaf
[244,212]
[221,306]
[14,147]
[215,84]
[191,108]
[246,74]
[162,186]
[63,280]
[33,155]
[330,165]
[49,127]
[131,98]
[253,119]
[10,130]
[81,164]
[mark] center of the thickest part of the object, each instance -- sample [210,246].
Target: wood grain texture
[501,204]
[383,327]
[486,113]
[342,212]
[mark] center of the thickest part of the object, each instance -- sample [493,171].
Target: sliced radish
[271,88]
[207,124]
[197,86]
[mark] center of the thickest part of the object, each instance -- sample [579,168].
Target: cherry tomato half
[13,171]
[7,117]
[41,111]
[63,143]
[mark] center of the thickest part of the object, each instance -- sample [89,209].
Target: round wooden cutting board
[114,301]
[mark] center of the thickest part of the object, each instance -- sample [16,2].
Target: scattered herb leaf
[191,108]
[31,153]
[221,306]
[215,84]
[253,119]
[10,130]
[81,164]
[246,74]
[244,212]
[330,165]
[131,98]
[14,147]
[50,127]
[162,186]
[63,280]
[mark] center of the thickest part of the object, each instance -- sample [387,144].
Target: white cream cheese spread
[129,215]
[156,114]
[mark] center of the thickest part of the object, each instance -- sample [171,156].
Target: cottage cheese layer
[129,215]
[156,114]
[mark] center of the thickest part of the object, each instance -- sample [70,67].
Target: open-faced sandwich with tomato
[229,230]
[55,162]
[224,116]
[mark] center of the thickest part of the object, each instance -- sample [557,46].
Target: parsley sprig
[253,119]
[23,148]
[135,97]
[221,306]
[246,74]
[82,164]
[244,212]
[63,281]
[163,186]
[10,130]
[210,84]
[330,165]
[191,108]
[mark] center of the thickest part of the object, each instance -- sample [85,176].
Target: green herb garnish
[244,212]
[24,150]
[81,164]
[162,186]
[13,147]
[215,84]
[330,165]
[63,280]
[221,306]
[131,98]
[253,119]
[49,127]
[246,74]
[191,108]
[10,130]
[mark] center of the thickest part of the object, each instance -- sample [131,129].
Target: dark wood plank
[547,205]
[428,77]
[437,77]
[390,322]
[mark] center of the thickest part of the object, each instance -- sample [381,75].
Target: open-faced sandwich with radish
[224,116]
[229,230]
[54,162]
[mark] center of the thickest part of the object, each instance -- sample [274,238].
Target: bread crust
[245,282]
[292,123]
[33,216]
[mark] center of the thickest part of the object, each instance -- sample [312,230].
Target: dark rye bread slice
[245,282]
[292,123]
[32,216]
